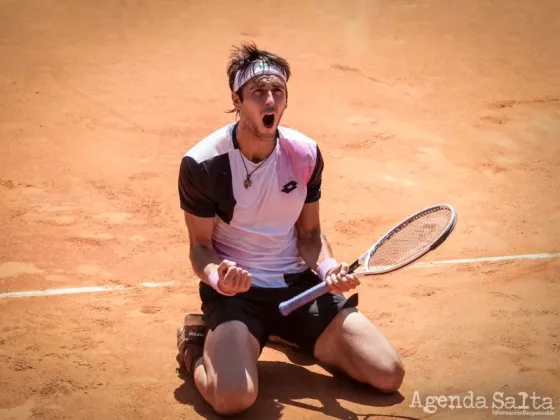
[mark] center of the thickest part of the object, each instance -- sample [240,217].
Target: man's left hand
[339,280]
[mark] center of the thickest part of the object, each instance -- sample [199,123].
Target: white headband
[257,68]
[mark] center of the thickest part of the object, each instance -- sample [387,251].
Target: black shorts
[258,310]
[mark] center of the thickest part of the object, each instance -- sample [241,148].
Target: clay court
[413,103]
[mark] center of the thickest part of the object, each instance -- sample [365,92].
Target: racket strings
[412,239]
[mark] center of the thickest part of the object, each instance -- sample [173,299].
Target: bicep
[308,223]
[200,229]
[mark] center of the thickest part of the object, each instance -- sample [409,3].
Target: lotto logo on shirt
[289,187]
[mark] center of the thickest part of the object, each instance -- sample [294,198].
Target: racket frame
[363,260]
[322,288]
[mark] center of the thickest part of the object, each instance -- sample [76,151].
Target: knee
[230,402]
[389,378]
[231,372]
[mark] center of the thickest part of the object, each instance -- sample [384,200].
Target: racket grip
[288,306]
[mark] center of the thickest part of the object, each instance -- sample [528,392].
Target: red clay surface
[413,103]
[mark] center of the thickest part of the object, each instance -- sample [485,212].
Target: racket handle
[303,298]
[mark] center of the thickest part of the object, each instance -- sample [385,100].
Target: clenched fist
[232,279]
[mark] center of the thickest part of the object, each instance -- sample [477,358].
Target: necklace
[247,183]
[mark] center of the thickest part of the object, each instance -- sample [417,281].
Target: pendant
[247,183]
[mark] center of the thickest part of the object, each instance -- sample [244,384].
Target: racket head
[407,241]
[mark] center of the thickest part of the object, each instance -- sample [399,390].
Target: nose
[269,99]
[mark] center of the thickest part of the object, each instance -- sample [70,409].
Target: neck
[254,147]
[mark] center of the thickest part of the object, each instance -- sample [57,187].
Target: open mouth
[268,120]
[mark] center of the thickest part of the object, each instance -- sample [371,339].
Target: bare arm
[202,255]
[315,249]
[312,243]
[229,279]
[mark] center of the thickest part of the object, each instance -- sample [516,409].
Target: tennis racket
[403,244]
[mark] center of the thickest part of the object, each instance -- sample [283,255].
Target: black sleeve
[314,183]
[194,188]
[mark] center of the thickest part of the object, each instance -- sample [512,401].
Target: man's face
[264,102]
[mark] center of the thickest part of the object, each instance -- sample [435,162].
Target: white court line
[50,292]
[93,289]
[157,284]
[489,259]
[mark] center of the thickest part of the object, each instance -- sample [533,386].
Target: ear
[236,101]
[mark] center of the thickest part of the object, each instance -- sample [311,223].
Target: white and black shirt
[255,226]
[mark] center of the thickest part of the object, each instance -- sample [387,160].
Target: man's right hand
[232,279]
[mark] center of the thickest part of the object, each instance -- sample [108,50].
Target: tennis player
[250,193]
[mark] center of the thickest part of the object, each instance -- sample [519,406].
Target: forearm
[314,248]
[204,261]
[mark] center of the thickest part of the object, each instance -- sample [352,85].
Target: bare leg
[226,376]
[352,343]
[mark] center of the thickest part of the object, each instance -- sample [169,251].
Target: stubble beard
[255,128]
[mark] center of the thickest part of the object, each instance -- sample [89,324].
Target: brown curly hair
[242,57]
